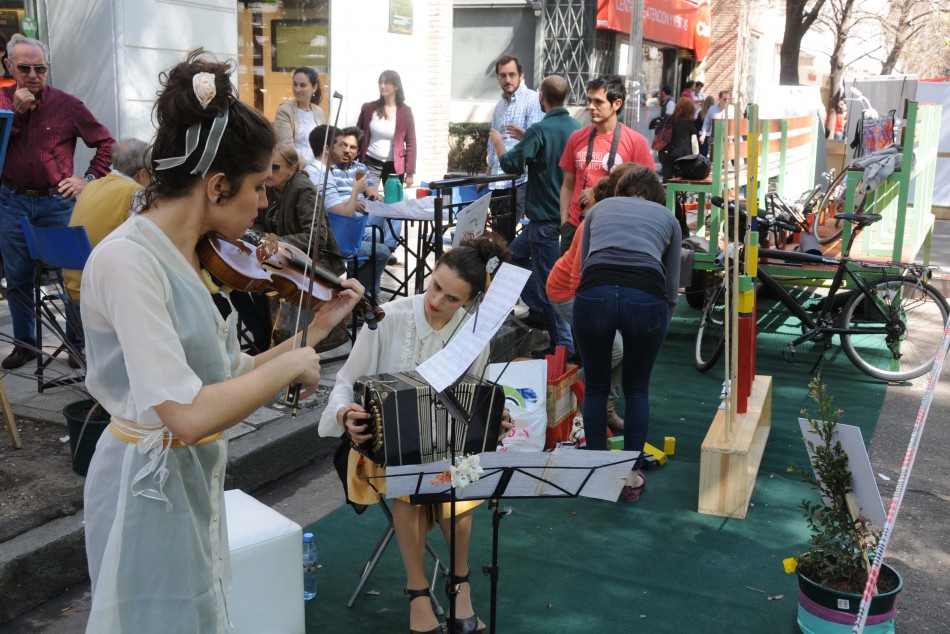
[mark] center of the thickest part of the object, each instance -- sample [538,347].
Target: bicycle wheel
[916,314]
[825,227]
[710,337]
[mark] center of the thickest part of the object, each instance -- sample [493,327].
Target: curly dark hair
[246,145]
[470,258]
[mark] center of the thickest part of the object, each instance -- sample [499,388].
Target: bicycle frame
[817,325]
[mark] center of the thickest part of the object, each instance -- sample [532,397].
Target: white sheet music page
[445,367]
[562,473]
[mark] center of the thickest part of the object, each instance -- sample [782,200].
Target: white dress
[402,341]
[156,534]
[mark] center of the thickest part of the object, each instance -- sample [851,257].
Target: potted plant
[833,571]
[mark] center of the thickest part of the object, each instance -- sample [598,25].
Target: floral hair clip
[205,91]
[492,264]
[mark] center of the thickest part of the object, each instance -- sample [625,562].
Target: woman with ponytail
[415,328]
[169,370]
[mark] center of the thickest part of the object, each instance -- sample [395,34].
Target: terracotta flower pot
[825,611]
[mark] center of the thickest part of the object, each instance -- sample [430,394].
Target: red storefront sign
[679,23]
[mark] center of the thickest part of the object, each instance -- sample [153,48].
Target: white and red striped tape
[898,498]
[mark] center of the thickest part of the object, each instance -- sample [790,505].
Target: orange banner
[679,23]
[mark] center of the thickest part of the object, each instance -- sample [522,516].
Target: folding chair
[380,548]
[54,249]
[348,231]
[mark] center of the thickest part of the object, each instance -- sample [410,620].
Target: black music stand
[512,475]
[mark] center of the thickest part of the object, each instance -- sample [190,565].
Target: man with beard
[593,151]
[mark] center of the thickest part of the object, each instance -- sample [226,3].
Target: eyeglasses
[507,75]
[26,68]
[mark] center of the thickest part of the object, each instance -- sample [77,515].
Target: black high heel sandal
[463,626]
[416,594]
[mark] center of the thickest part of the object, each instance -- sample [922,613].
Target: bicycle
[890,328]
[826,226]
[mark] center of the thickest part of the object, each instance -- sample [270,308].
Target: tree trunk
[792,43]
[797,22]
[837,53]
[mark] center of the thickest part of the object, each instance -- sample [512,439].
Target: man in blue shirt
[348,182]
[538,246]
[516,111]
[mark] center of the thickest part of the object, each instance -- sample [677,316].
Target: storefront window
[274,38]
[652,73]
[11,19]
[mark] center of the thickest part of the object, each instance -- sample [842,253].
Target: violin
[260,263]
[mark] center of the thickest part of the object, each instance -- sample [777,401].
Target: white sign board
[862,476]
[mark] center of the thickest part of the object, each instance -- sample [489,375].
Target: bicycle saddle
[859,219]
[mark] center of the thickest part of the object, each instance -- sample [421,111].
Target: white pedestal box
[267,565]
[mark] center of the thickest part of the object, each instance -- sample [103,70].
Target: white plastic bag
[530,428]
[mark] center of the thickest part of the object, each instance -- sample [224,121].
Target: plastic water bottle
[392,192]
[309,567]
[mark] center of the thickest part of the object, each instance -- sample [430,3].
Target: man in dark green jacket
[537,247]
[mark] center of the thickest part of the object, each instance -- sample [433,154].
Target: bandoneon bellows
[410,426]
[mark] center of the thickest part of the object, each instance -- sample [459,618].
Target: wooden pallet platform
[728,465]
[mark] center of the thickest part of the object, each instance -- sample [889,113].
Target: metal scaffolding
[569,36]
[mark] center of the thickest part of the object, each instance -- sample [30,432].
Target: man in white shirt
[516,111]
[716,111]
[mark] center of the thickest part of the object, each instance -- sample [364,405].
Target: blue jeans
[18,267]
[391,238]
[642,320]
[537,248]
[566,311]
[365,277]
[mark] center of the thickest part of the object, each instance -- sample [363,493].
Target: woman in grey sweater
[630,261]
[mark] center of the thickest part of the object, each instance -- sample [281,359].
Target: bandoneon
[410,426]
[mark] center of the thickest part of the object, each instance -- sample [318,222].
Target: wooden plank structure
[729,462]
[732,450]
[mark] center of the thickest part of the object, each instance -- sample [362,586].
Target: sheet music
[406,209]
[445,367]
[562,473]
[470,221]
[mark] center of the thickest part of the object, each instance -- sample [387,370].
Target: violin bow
[292,396]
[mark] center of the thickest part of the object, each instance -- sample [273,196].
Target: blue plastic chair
[54,249]
[348,231]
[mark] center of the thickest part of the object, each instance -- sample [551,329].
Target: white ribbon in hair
[492,264]
[191,144]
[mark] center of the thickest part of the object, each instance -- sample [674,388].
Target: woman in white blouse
[415,328]
[389,146]
[169,370]
[295,119]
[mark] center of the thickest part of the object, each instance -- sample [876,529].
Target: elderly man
[108,202]
[537,246]
[516,111]
[38,180]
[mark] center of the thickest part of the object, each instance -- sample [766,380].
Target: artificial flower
[791,564]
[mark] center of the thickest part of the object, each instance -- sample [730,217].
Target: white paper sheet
[562,473]
[445,367]
[408,209]
[470,221]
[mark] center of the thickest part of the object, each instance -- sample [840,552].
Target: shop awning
[679,23]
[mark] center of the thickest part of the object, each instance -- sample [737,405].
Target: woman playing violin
[168,368]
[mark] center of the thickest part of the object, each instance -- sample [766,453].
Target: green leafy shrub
[839,546]
[468,147]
